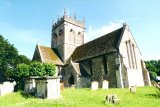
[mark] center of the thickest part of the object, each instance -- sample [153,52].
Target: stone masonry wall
[98,70]
[69,71]
[83,82]
[111,76]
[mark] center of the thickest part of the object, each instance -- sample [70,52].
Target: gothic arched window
[55,35]
[55,39]
[72,36]
[60,32]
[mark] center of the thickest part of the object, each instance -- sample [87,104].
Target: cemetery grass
[144,97]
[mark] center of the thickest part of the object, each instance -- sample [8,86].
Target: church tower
[67,34]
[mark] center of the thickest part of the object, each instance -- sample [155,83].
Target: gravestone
[94,85]
[105,85]
[30,84]
[112,98]
[48,87]
[133,89]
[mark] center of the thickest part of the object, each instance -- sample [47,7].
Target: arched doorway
[71,80]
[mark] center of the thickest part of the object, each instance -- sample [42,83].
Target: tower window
[60,32]
[71,30]
[55,35]
[79,33]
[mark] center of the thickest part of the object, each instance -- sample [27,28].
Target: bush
[22,70]
[50,69]
[153,76]
[36,69]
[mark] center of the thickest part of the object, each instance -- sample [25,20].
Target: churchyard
[85,97]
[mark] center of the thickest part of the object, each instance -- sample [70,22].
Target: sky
[28,22]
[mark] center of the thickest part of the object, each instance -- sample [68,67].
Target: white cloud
[93,33]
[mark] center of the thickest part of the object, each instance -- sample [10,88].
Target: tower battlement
[68,19]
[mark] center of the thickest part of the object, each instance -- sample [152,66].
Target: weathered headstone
[48,87]
[112,98]
[94,85]
[133,89]
[105,85]
[30,85]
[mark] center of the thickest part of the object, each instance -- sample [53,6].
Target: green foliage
[153,67]
[41,69]
[8,56]
[36,69]
[22,71]
[153,75]
[50,69]
[23,59]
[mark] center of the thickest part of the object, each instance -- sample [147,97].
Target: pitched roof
[48,55]
[104,44]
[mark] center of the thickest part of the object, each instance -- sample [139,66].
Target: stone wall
[111,66]
[67,34]
[69,73]
[131,59]
[48,87]
[30,85]
[98,70]
[83,82]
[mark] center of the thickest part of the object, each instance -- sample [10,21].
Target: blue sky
[28,22]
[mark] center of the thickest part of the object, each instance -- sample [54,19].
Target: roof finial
[53,22]
[58,17]
[65,12]
[74,15]
[37,42]
[83,19]
[125,23]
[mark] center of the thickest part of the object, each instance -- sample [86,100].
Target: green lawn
[144,97]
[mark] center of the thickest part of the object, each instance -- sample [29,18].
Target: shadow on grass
[27,95]
[153,95]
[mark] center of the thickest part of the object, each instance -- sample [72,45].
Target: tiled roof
[49,56]
[99,46]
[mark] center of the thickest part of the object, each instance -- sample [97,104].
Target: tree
[8,56]
[23,59]
[153,67]
[18,74]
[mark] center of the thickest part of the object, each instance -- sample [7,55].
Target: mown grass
[144,97]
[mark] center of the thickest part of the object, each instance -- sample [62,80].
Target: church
[114,57]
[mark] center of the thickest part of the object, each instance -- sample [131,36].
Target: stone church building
[114,57]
